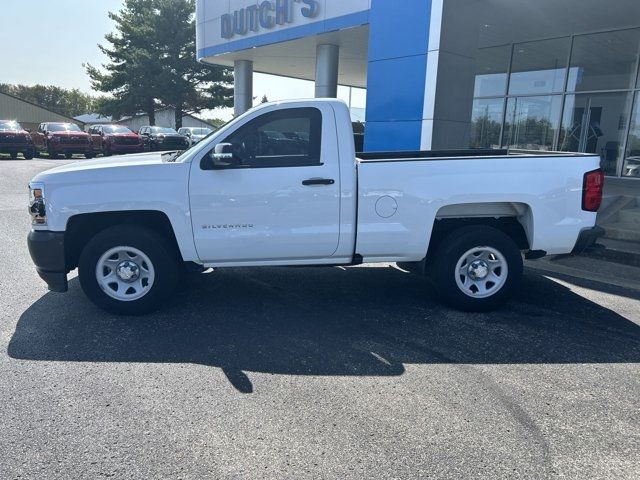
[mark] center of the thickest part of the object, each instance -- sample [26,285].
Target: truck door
[279,201]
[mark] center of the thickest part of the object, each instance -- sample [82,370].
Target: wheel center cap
[128,271]
[478,270]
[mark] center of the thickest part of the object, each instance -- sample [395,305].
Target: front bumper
[47,252]
[122,148]
[587,238]
[17,148]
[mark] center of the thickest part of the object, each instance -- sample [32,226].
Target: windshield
[116,129]
[200,131]
[10,126]
[162,130]
[63,127]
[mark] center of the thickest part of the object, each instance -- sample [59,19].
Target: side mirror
[220,158]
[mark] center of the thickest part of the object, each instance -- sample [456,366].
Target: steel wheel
[481,272]
[125,273]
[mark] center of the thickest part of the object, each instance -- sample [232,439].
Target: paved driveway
[312,373]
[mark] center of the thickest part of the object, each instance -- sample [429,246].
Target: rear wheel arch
[514,219]
[518,227]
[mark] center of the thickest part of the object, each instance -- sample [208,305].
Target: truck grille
[126,141]
[74,141]
[174,141]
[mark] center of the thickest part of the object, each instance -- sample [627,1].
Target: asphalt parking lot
[312,373]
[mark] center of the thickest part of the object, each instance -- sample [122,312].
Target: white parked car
[242,197]
[194,134]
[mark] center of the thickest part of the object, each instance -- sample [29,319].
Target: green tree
[134,64]
[153,63]
[64,101]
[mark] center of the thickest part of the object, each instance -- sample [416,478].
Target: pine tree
[153,63]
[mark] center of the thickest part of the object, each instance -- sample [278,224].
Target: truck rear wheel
[476,268]
[128,270]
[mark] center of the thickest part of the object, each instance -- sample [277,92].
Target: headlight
[55,138]
[153,137]
[37,207]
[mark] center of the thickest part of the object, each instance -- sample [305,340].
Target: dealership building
[449,74]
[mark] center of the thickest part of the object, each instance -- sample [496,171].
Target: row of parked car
[56,138]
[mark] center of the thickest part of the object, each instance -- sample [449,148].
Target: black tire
[442,263]
[52,154]
[106,151]
[13,156]
[28,154]
[68,156]
[89,155]
[163,257]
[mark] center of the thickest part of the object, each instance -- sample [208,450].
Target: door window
[486,122]
[595,123]
[539,67]
[632,157]
[604,61]
[285,138]
[532,122]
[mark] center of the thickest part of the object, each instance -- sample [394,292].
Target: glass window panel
[604,61]
[532,122]
[492,65]
[539,67]
[486,122]
[631,166]
[595,123]
[282,138]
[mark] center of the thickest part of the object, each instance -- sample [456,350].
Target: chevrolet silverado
[282,185]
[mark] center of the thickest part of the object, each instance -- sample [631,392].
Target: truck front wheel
[475,268]
[128,270]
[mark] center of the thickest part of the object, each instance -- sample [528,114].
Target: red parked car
[14,140]
[110,139]
[57,138]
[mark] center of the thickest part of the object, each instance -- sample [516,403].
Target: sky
[48,41]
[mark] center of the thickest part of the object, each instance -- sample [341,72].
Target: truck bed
[542,189]
[466,154]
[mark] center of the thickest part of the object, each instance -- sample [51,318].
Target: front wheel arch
[81,228]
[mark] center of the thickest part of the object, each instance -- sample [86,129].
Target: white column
[327,62]
[242,86]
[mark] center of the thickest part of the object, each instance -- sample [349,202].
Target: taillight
[592,190]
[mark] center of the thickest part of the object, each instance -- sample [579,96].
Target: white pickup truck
[281,185]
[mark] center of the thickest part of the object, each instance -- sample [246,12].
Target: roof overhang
[280,36]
